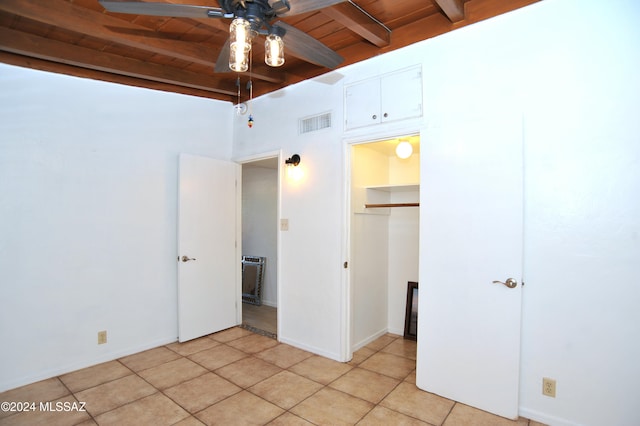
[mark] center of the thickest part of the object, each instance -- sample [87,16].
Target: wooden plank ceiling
[78,37]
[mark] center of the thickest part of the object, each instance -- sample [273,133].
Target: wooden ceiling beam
[56,67]
[479,10]
[356,19]
[56,51]
[422,29]
[77,37]
[113,30]
[432,26]
[454,9]
[63,14]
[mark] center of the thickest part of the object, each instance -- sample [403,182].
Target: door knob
[511,283]
[187,258]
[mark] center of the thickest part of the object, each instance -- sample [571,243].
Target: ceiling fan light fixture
[240,35]
[274,50]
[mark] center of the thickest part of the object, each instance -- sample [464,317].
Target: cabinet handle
[374,116]
[385,115]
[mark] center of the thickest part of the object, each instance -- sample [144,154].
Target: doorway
[260,194]
[384,235]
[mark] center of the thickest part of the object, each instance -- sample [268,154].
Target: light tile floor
[261,317]
[236,377]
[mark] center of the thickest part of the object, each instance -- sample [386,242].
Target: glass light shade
[295,173]
[274,50]
[240,34]
[238,60]
[404,150]
[239,44]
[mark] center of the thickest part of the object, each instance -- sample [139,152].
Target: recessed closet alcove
[384,230]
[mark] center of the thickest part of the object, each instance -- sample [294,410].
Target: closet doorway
[260,186]
[384,235]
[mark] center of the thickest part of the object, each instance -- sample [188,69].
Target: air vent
[315,123]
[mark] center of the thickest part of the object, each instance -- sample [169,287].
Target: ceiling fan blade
[304,6]
[163,9]
[222,63]
[305,47]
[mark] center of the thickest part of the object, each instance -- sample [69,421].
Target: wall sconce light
[294,160]
[293,171]
[404,150]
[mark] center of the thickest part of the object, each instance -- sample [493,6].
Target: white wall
[309,305]
[404,241]
[571,67]
[404,229]
[582,214]
[88,193]
[576,82]
[369,244]
[259,223]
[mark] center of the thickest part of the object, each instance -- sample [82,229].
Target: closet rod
[379,206]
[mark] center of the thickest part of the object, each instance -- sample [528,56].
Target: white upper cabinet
[390,97]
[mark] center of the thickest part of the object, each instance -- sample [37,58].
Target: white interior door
[209,265]
[471,225]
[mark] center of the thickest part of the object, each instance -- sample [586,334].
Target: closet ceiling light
[404,149]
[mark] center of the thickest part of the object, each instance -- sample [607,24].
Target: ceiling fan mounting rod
[214,13]
[258,12]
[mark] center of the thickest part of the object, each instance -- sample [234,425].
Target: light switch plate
[284,224]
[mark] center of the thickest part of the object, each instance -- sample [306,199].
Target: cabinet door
[362,103]
[401,95]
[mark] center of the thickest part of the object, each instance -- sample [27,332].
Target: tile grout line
[93,417]
[324,386]
[226,344]
[328,385]
[161,391]
[400,381]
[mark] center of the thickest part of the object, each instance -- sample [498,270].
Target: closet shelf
[396,188]
[380,206]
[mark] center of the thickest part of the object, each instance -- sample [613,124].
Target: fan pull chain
[250,87]
[238,104]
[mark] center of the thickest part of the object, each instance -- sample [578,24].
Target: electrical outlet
[549,387]
[102,337]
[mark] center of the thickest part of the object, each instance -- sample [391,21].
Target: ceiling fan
[249,18]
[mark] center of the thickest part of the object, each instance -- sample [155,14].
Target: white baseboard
[54,372]
[312,349]
[399,332]
[270,303]
[544,418]
[364,342]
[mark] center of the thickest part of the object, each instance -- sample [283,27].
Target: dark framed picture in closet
[411,315]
